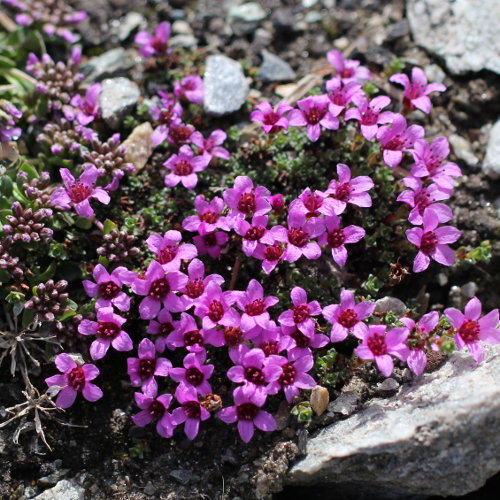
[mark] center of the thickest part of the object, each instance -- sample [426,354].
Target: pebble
[138,146]
[250,12]
[118,98]
[185,41]
[182,476]
[274,69]
[319,399]
[181,28]
[149,489]
[463,150]
[346,404]
[129,23]
[114,62]
[491,163]
[390,304]
[63,490]
[397,30]
[469,289]
[389,385]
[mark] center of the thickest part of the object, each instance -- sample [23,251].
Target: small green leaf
[109,225]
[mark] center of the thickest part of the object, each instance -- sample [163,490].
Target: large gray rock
[274,69]
[491,163]
[63,490]
[118,98]
[114,62]
[437,436]
[225,85]
[463,32]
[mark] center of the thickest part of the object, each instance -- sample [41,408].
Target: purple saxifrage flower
[154,45]
[209,215]
[341,95]
[312,204]
[300,315]
[246,200]
[369,114]
[183,167]
[191,413]
[211,146]
[161,329]
[190,88]
[154,408]
[347,69]
[210,242]
[75,378]
[87,108]
[194,374]
[197,283]
[273,120]
[251,233]
[169,250]
[213,307]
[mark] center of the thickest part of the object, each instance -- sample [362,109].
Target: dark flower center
[146,367]
[288,375]
[159,289]
[210,240]
[254,375]
[209,217]
[255,233]
[183,167]
[180,135]
[315,114]
[192,409]
[195,288]
[167,254]
[428,243]
[269,348]
[298,237]
[348,318]
[193,337]
[300,339]
[76,378]
[255,307]
[247,203]
[469,331]
[232,336]
[274,252]
[156,409]
[166,328]
[343,191]
[369,117]
[247,411]
[396,143]
[312,202]
[107,330]
[300,313]
[376,344]
[215,310]
[108,290]
[159,45]
[194,376]
[271,117]
[336,238]
[79,192]
[346,73]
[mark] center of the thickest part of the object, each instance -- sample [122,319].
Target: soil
[99,445]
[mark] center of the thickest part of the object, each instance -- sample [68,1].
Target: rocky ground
[113,459]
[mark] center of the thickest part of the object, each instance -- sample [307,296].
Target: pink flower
[336,238]
[312,204]
[348,317]
[379,345]
[397,138]
[154,45]
[194,374]
[313,113]
[191,413]
[169,251]
[161,329]
[108,287]
[246,200]
[429,162]
[416,91]
[432,242]
[190,88]
[214,306]
[179,133]
[248,413]
[79,193]
[108,330]
[187,335]
[154,408]
[273,119]
[302,344]
[142,370]
[301,313]
[271,254]
[419,338]
[347,69]
[210,242]
[88,106]
[209,215]
[251,233]
[277,203]
[183,167]
[341,95]
[212,146]
[75,378]
[347,190]
[472,329]
[369,114]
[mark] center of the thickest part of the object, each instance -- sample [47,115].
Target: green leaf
[46,275]
[5,185]
[28,317]
[83,223]
[109,225]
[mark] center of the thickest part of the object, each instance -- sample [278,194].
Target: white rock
[491,163]
[63,490]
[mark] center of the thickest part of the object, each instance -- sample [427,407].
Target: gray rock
[491,163]
[181,28]
[250,12]
[182,476]
[274,69]
[390,304]
[118,98]
[63,490]
[129,23]
[185,41]
[388,385]
[463,32]
[463,150]
[397,30]
[114,62]
[346,404]
[225,85]
[438,436]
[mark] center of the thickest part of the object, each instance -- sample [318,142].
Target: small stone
[118,98]
[262,37]
[182,476]
[181,28]
[390,304]
[185,41]
[138,145]
[129,23]
[313,17]
[389,385]
[442,279]
[250,12]
[346,404]
[63,490]
[274,69]
[225,85]
[463,150]
[309,3]
[319,399]
[469,290]
[114,62]
[491,163]
[282,416]
[149,489]
[397,30]
[434,73]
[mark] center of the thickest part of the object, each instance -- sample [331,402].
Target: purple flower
[429,162]
[162,329]
[397,138]
[142,370]
[179,133]
[271,254]
[312,204]
[212,146]
[248,413]
[168,112]
[272,341]
[293,376]
[209,215]
[154,45]
[8,130]
[418,340]
[154,408]
[169,251]
[302,344]
[301,313]
[341,95]
[194,373]
[347,190]
[108,330]
[210,242]
[416,91]
[251,233]
[472,329]
[369,114]
[347,69]
[108,287]
[196,287]
[77,193]
[421,198]
[313,113]
[190,88]
[348,317]
[75,378]
[379,345]
[336,238]
[273,120]
[88,106]
[277,203]
[245,200]
[213,307]
[432,242]
[158,288]
[183,167]
[187,335]
[191,413]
